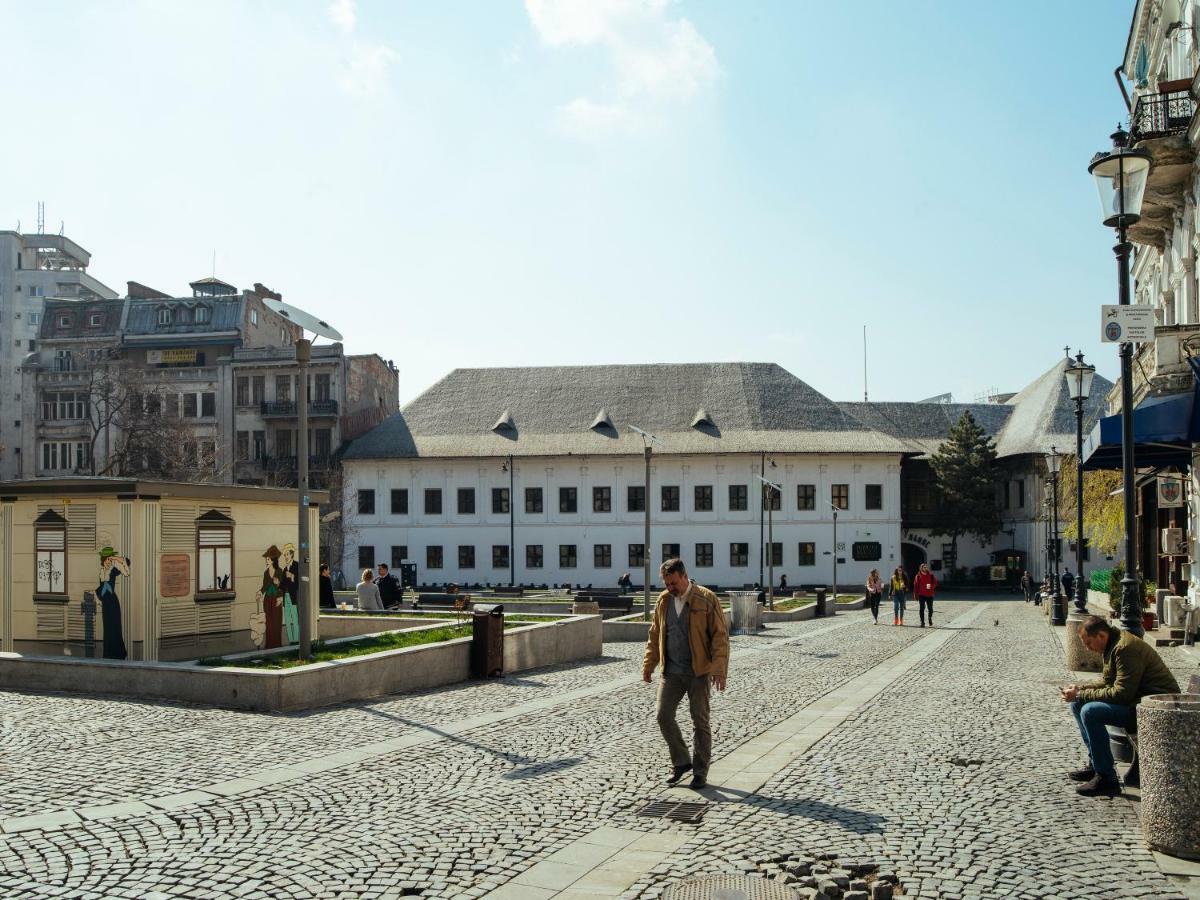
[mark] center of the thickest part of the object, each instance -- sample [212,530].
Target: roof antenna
[214,266]
[864,364]
[41,217]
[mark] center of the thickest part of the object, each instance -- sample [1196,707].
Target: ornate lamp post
[1121,175]
[648,440]
[1058,607]
[1079,385]
[508,467]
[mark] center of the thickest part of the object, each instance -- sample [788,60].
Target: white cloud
[365,72]
[585,118]
[343,14]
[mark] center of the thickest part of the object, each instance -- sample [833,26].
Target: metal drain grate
[729,887]
[673,809]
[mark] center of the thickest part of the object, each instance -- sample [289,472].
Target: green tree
[1103,506]
[964,466]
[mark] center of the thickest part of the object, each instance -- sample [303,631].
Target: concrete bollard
[1168,735]
[1079,657]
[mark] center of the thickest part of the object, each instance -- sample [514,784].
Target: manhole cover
[672,809]
[729,887]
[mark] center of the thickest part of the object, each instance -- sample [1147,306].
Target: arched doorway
[911,557]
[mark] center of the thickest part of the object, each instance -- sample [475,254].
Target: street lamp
[835,553]
[647,441]
[508,467]
[1058,608]
[775,490]
[1079,385]
[1121,176]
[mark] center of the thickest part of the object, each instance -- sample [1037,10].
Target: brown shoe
[677,773]
[1099,786]
[1087,773]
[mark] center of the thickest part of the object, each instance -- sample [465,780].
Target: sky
[567,182]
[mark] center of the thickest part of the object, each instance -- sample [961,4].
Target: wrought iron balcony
[287,408]
[1161,115]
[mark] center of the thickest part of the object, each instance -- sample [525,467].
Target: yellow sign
[178,356]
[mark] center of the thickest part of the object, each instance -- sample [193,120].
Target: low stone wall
[320,684]
[626,629]
[333,627]
[799,614]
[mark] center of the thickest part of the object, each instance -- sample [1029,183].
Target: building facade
[33,268]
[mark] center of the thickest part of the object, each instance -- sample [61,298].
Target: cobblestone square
[937,754]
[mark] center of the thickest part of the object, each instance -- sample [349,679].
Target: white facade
[693,529]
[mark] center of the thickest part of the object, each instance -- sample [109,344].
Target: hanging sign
[1120,324]
[1170,492]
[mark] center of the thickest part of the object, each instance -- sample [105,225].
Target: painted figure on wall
[112,565]
[270,596]
[291,574]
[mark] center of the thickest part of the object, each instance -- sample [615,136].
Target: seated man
[1132,670]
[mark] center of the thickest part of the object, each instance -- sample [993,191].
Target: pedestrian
[1132,670]
[923,587]
[898,587]
[625,583]
[689,640]
[390,592]
[874,593]
[1068,584]
[782,583]
[368,592]
[1027,586]
[327,600]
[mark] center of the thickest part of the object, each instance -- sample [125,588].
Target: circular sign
[1112,331]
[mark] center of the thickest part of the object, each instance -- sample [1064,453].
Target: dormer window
[95,320]
[64,321]
[164,315]
[202,315]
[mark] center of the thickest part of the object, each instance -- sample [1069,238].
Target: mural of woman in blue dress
[111,566]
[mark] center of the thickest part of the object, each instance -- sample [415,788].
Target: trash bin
[745,611]
[820,610]
[1168,733]
[487,641]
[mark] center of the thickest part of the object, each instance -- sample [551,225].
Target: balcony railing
[1160,115]
[287,408]
[287,463]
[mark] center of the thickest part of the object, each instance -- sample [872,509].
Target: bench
[608,602]
[508,591]
[442,601]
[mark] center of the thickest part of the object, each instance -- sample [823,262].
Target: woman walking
[874,593]
[899,585]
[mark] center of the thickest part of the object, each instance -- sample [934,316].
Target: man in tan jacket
[690,642]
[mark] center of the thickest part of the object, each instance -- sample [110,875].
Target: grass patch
[783,605]
[391,640]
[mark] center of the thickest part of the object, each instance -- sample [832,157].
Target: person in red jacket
[923,587]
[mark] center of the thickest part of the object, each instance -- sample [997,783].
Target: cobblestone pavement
[952,777]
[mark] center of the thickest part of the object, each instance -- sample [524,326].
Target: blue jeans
[898,604]
[1091,718]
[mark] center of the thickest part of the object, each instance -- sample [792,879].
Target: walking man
[923,587]
[1027,586]
[689,640]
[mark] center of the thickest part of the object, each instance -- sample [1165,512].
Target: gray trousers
[671,691]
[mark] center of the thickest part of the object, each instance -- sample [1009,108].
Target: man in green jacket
[1132,670]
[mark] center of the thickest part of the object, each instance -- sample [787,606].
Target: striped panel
[215,617]
[178,529]
[51,621]
[177,620]
[81,526]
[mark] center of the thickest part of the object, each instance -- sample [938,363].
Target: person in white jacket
[368,592]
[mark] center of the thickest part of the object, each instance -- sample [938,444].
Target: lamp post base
[1131,606]
[1058,609]
[1081,596]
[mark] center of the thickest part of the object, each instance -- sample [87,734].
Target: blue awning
[1164,429]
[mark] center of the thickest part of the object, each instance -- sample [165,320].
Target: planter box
[303,687]
[626,629]
[799,614]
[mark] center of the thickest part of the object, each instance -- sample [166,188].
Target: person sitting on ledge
[1132,670]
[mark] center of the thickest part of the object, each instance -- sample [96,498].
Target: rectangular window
[866,551]
[737,497]
[568,500]
[258,389]
[466,501]
[399,555]
[637,555]
[52,559]
[260,444]
[808,553]
[775,554]
[874,496]
[399,501]
[635,499]
[602,556]
[739,555]
[208,404]
[1021,494]
[242,451]
[466,556]
[670,498]
[670,551]
[704,556]
[189,406]
[1007,502]
[214,558]
[321,389]
[771,498]
[500,556]
[433,501]
[840,495]
[433,557]
[601,499]
[703,497]
[283,388]
[243,391]
[533,556]
[533,500]
[806,496]
[500,501]
[366,502]
[566,556]
[366,557]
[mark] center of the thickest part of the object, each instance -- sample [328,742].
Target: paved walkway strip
[425,734]
[610,860]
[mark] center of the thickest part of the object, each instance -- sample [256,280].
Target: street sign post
[1122,324]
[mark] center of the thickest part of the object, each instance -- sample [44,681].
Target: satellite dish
[306,321]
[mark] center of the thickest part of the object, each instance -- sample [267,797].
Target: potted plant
[1149,617]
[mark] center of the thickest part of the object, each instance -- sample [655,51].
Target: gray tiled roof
[753,407]
[143,315]
[80,311]
[924,425]
[1044,414]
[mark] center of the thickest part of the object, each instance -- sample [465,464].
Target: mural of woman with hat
[271,598]
[291,573]
[111,566]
